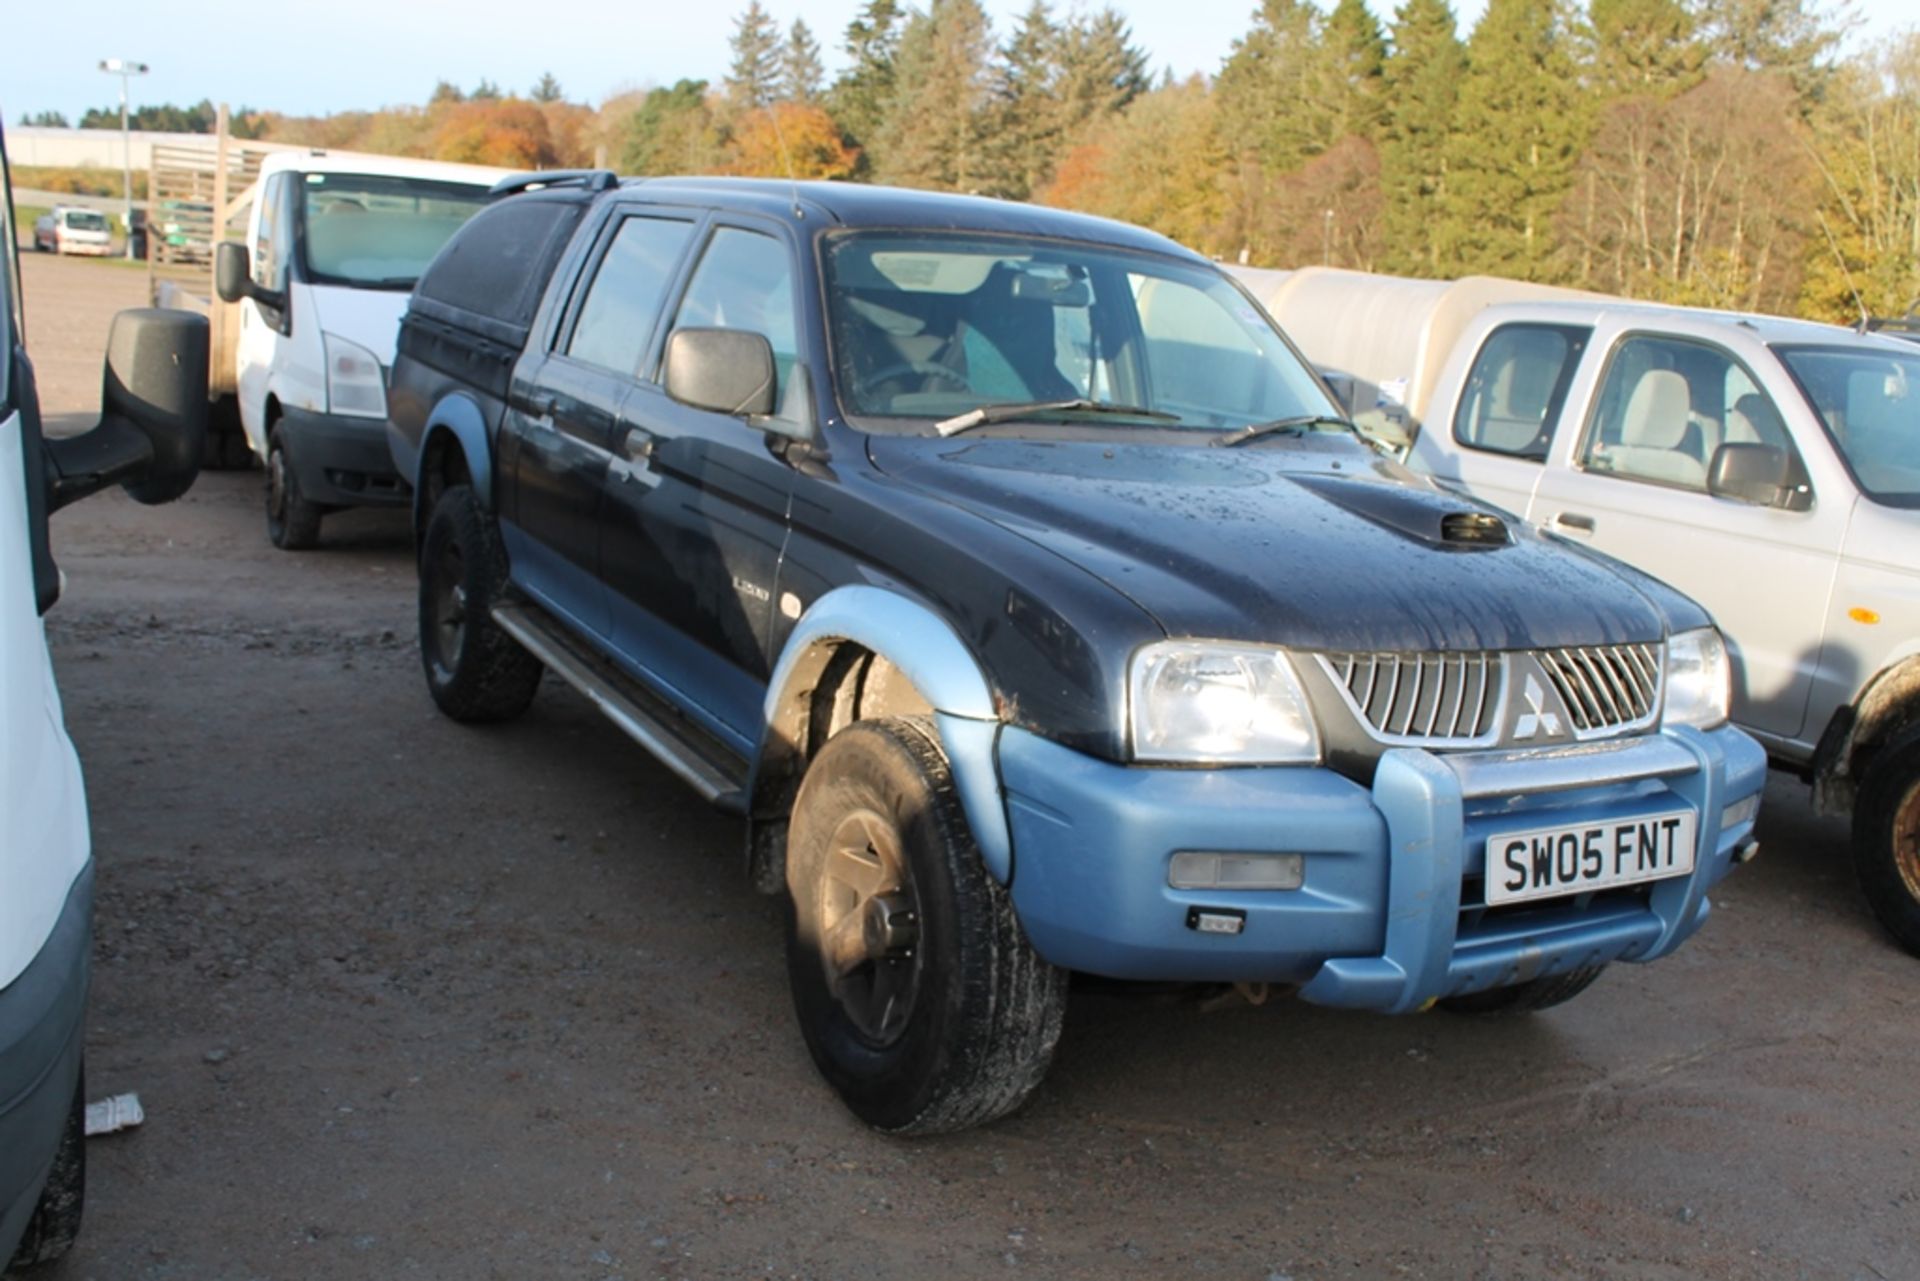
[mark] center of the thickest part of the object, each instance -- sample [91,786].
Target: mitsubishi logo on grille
[1539,716]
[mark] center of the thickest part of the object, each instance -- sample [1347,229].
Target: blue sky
[304,57]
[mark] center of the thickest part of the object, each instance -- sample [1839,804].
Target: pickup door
[694,514]
[1606,436]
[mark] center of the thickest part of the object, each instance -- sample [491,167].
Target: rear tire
[475,671]
[293,523]
[919,996]
[1524,998]
[55,1223]
[1886,838]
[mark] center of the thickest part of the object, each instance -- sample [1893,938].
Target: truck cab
[333,246]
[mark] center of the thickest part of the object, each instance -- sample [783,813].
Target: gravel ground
[404,998]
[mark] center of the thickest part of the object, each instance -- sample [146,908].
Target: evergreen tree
[1101,70]
[547,90]
[1026,109]
[1264,112]
[444,93]
[1516,133]
[753,79]
[485,91]
[934,132]
[1420,79]
[1642,47]
[858,98]
[801,75]
[1353,55]
[672,131]
[44,120]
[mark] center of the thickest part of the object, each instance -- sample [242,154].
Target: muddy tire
[475,671]
[1524,998]
[293,523]
[55,1223]
[919,996]
[1886,838]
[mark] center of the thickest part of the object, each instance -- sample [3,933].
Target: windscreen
[85,220]
[930,326]
[1869,400]
[376,232]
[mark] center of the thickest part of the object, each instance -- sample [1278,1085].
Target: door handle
[1573,520]
[637,446]
[538,404]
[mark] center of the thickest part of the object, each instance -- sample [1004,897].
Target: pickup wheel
[1524,998]
[919,996]
[293,523]
[1886,838]
[475,671]
[55,1223]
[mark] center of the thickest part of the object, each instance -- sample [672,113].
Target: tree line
[1724,153]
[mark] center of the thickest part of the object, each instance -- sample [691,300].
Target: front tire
[475,671]
[1886,838]
[918,994]
[55,1223]
[293,523]
[1524,998]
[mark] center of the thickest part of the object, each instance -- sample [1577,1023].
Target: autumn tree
[509,132]
[789,140]
[1863,252]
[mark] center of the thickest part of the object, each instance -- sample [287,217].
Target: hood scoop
[1427,514]
[1474,529]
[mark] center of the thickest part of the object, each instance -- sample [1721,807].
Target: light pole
[126,70]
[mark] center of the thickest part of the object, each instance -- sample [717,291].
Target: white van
[334,244]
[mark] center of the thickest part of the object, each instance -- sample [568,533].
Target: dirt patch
[404,998]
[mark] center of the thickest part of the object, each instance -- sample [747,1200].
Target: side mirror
[1763,475]
[729,371]
[232,271]
[1343,385]
[153,419]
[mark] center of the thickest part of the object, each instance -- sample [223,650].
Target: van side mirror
[232,271]
[1764,475]
[729,371]
[153,413]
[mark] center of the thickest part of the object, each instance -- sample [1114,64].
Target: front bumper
[42,1018]
[342,461]
[1390,916]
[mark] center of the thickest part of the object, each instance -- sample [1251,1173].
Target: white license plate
[1550,862]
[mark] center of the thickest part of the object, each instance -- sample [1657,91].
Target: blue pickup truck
[1026,592]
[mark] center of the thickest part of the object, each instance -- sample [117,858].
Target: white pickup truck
[1769,468]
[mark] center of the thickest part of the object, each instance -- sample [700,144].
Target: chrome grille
[1606,687]
[1451,699]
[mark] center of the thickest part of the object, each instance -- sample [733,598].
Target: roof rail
[592,179]
[1906,326]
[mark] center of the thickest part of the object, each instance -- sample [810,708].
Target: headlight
[354,383]
[1211,701]
[1699,679]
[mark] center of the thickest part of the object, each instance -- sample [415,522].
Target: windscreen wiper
[1011,410]
[1298,425]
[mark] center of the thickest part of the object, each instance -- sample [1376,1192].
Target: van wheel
[1524,998]
[475,671]
[918,994]
[1886,838]
[55,1223]
[226,447]
[293,523]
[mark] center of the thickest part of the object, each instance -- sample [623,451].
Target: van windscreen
[378,232]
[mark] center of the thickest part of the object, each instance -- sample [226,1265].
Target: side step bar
[707,765]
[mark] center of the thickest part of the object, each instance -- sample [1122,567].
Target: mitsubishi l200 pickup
[1024,590]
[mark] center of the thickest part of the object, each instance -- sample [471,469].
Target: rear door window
[1518,384]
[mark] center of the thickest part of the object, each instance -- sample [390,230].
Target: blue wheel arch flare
[458,417]
[931,655]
